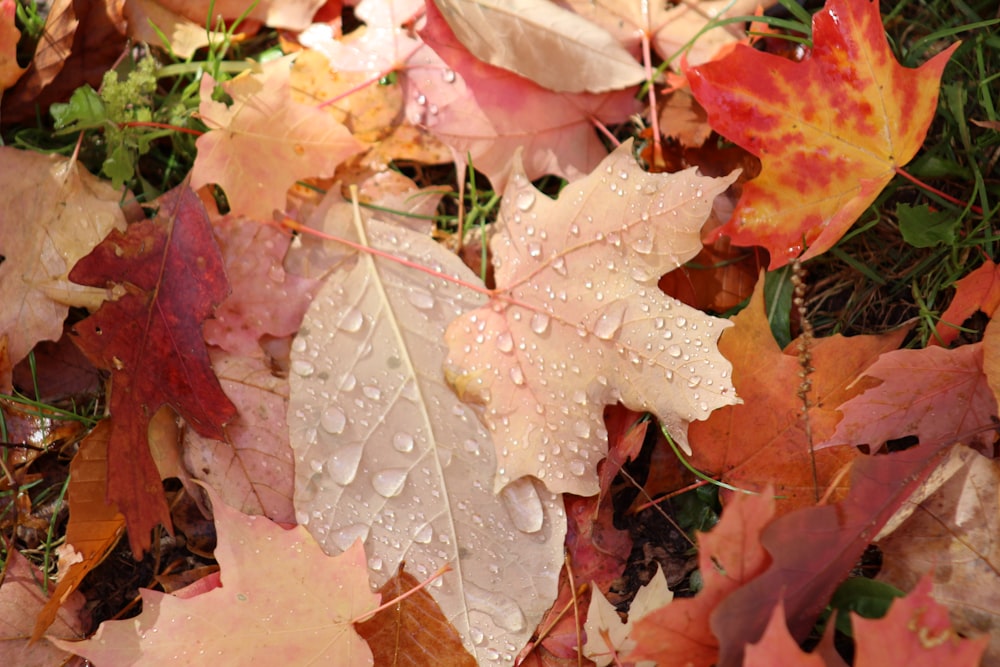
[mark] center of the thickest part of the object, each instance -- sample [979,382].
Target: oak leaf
[171,275]
[281,601]
[935,394]
[259,146]
[484,113]
[54,213]
[764,440]
[831,130]
[577,321]
[557,49]
[385,452]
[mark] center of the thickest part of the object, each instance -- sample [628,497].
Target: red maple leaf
[831,130]
[171,272]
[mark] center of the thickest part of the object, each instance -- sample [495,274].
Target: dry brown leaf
[955,534]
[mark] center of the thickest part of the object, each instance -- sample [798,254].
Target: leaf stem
[396,600]
[957,202]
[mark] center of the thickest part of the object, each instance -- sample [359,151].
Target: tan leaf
[577,321]
[385,452]
[54,213]
[556,48]
[607,635]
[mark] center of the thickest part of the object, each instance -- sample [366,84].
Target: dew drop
[333,420]
[389,483]
[372,392]
[345,537]
[424,534]
[343,464]
[694,381]
[448,75]
[402,442]
[610,321]
[477,636]
[303,368]
[420,298]
[520,499]
[540,322]
[534,249]
[577,467]
[351,320]
[643,245]
[581,429]
[516,375]
[674,351]
[505,342]
[559,266]
[525,200]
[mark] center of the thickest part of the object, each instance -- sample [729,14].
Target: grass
[873,280]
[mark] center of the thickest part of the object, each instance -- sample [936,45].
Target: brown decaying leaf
[413,632]
[94,525]
[577,321]
[386,452]
[52,213]
[81,41]
[954,535]
[150,339]
[21,597]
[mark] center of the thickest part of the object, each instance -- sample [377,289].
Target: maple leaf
[978,291]
[252,468]
[265,299]
[577,322]
[290,14]
[778,647]
[152,23]
[607,635]
[21,597]
[728,556]
[70,212]
[384,450]
[936,394]
[764,440]
[484,113]
[831,130]
[916,632]
[805,572]
[150,339]
[260,145]
[300,613]
[952,537]
[558,49]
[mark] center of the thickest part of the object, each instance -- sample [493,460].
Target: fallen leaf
[265,299]
[577,322]
[805,572]
[778,647]
[183,36]
[21,597]
[831,130]
[952,536]
[729,556]
[288,14]
[607,635]
[991,357]
[978,291]
[170,273]
[281,601]
[259,146]
[413,632]
[917,633]
[764,440]
[719,278]
[69,211]
[252,468]
[385,452]
[484,113]
[935,394]
[94,525]
[557,49]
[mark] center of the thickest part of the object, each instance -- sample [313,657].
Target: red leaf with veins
[150,339]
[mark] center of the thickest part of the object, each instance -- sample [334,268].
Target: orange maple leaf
[831,130]
[978,291]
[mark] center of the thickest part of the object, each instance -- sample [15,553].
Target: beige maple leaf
[608,635]
[577,321]
[260,145]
